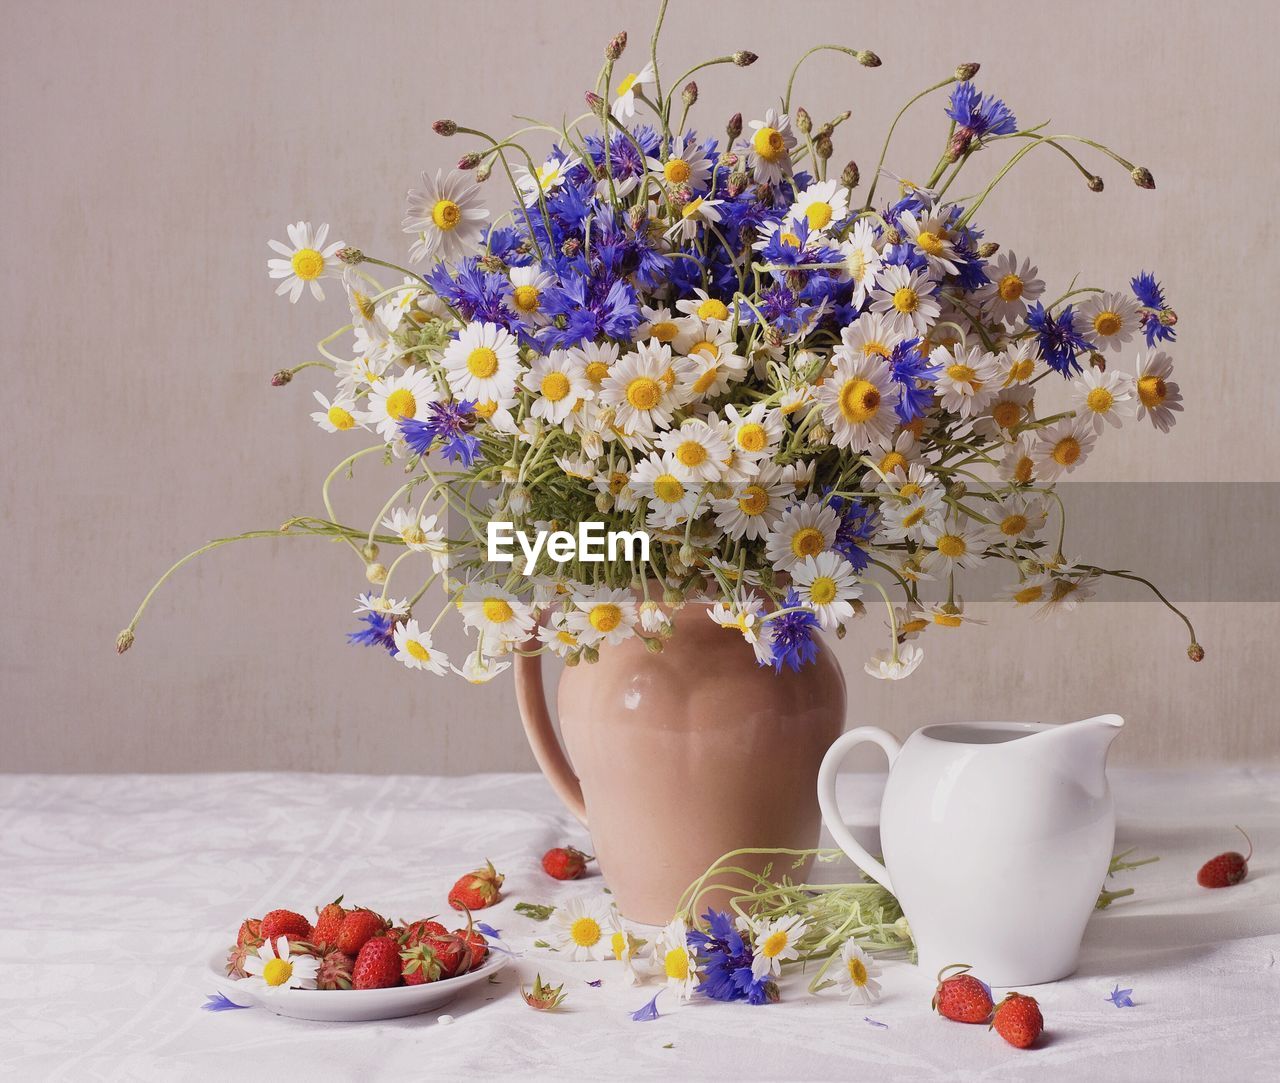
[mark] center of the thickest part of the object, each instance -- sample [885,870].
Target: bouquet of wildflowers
[809,388]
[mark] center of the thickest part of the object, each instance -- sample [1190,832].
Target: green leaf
[537,911]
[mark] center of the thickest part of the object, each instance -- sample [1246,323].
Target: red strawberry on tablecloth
[962,997]
[1018,1020]
[1227,869]
[565,863]
[477,889]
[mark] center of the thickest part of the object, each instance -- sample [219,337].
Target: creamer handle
[532,702]
[831,809]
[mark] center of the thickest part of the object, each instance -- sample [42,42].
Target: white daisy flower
[497,412]
[603,615]
[579,929]
[698,209]
[446,215]
[1069,587]
[275,971]
[482,363]
[686,163]
[420,535]
[624,945]
[1158,396]
[746,612]
[1010,408]
[559,383]
[712,366]
[673,959]
[930,234]
[967,382]
[546,178]
[699,450]
[624,105]
[413,648]
[755,506]
[955,545]
[755,434]
[776,941]
[1019,463]
[1031,591]
[914,517]
[616,483]
[804,530]
[861,260]
[395,398]
[901,454]
[528,284]
[857,973]
[495,611]
[596,360]
[557,635]
[909,621]
[799,475]
[949,614]
[1016,363]
[893,665]
[795,399]
[824,204]
[657,323]
[1063,446]
[858,400]
[636,389]
[827,584]
[671,500]
[376,603]
[1018,518]
[479,668]
[768,147]
[1014,285]
[365,312]
[652,619]
[1109,320]
[1103,397]
[707,308]
[907,298]
[336,416]
[306,260]
[360,372]
[871,335]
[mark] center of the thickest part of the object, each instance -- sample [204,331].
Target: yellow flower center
[910,627]
[691,453]
[1107,323]
[808,541]
[1010,288]
[497,610]
[754,500]
[1066,451]
[555,386]
[364,304]
[596,372]
[307,264]
[1099,400]
[676,170]
[952,545]
[894,460]
[1013,525]
[585,932]
[752,437]
[446,214]
[709,348]
[769,144]
[1021,370]
[774,945]
[910,490]
[605,617]
[857,971]
[963,374]
[1027,595]
[676,964]
[1006,414]
[482,362]
[691,208]
[401,403]
[667,488]
[819,215]
[340,418]
[1152,391]
[859,401]
[1023,469]
[703,382]
[277,971]
[930,242]
[414,535]
[567,638]
[906,300]
[417,651]
[526,298]
[856,262]
[1062,588]
[625,86]
[822,590]
[913,517]
[618,942]
[711,309]
[664,331]
[879,349]
[486,409]
[948,620]
[643,393]
[789,239]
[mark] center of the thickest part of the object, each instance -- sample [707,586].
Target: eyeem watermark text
[592,544]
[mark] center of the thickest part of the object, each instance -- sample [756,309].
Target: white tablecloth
[116,890]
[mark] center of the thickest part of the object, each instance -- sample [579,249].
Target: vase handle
[830,807]
[538,727]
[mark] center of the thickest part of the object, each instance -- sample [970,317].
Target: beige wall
[150,149]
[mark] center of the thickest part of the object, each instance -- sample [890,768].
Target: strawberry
[250,932]
[452,952]
[357,927]
[1226,869]
[377,965]
[962,997]
[285,923]
[477,889]
[328,923]
[565,863]
[335,968]
[419,965]
[411,935]
[1018,1020]
[477,943]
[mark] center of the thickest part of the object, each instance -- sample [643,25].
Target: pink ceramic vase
[677,758]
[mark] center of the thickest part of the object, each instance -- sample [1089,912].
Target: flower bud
[987,249]
[375,572]
[892,236]
[960,143]
[572,659]
[350,255]
[1097,361]
[591,654]
[721,490]
[965,72]
[689,94]
[818,436]
[672,598]
[617,45]
[859,607]
[604,503]
[804,122]
[957,489]
[596,104]
[445,128]
[1167,317]
[840,631]
[125,640]
[653,646]
[1142,177]
[688,554]
[1195,652]
[823,148]
[482,174]
[849,175]
[737,183]
[744,59]
[1095,183]
[868,59]
[469,161]
[571,247]
[281,378]
[734,128]
[492,263]
[520,500]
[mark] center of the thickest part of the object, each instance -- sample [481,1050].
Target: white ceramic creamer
[997,837]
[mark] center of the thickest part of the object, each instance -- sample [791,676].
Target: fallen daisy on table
[857,974]
[580,929]
[273,971]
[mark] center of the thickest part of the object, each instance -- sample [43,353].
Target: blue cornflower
[1150,295]
[857,527]
[1059,341]
[649,1012]
[591,307]
[724,958]
[911,369]
[379,633]
[220,1002]
[478,294]
[979,115]
[1120,997]
[448,422]
[792,640]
